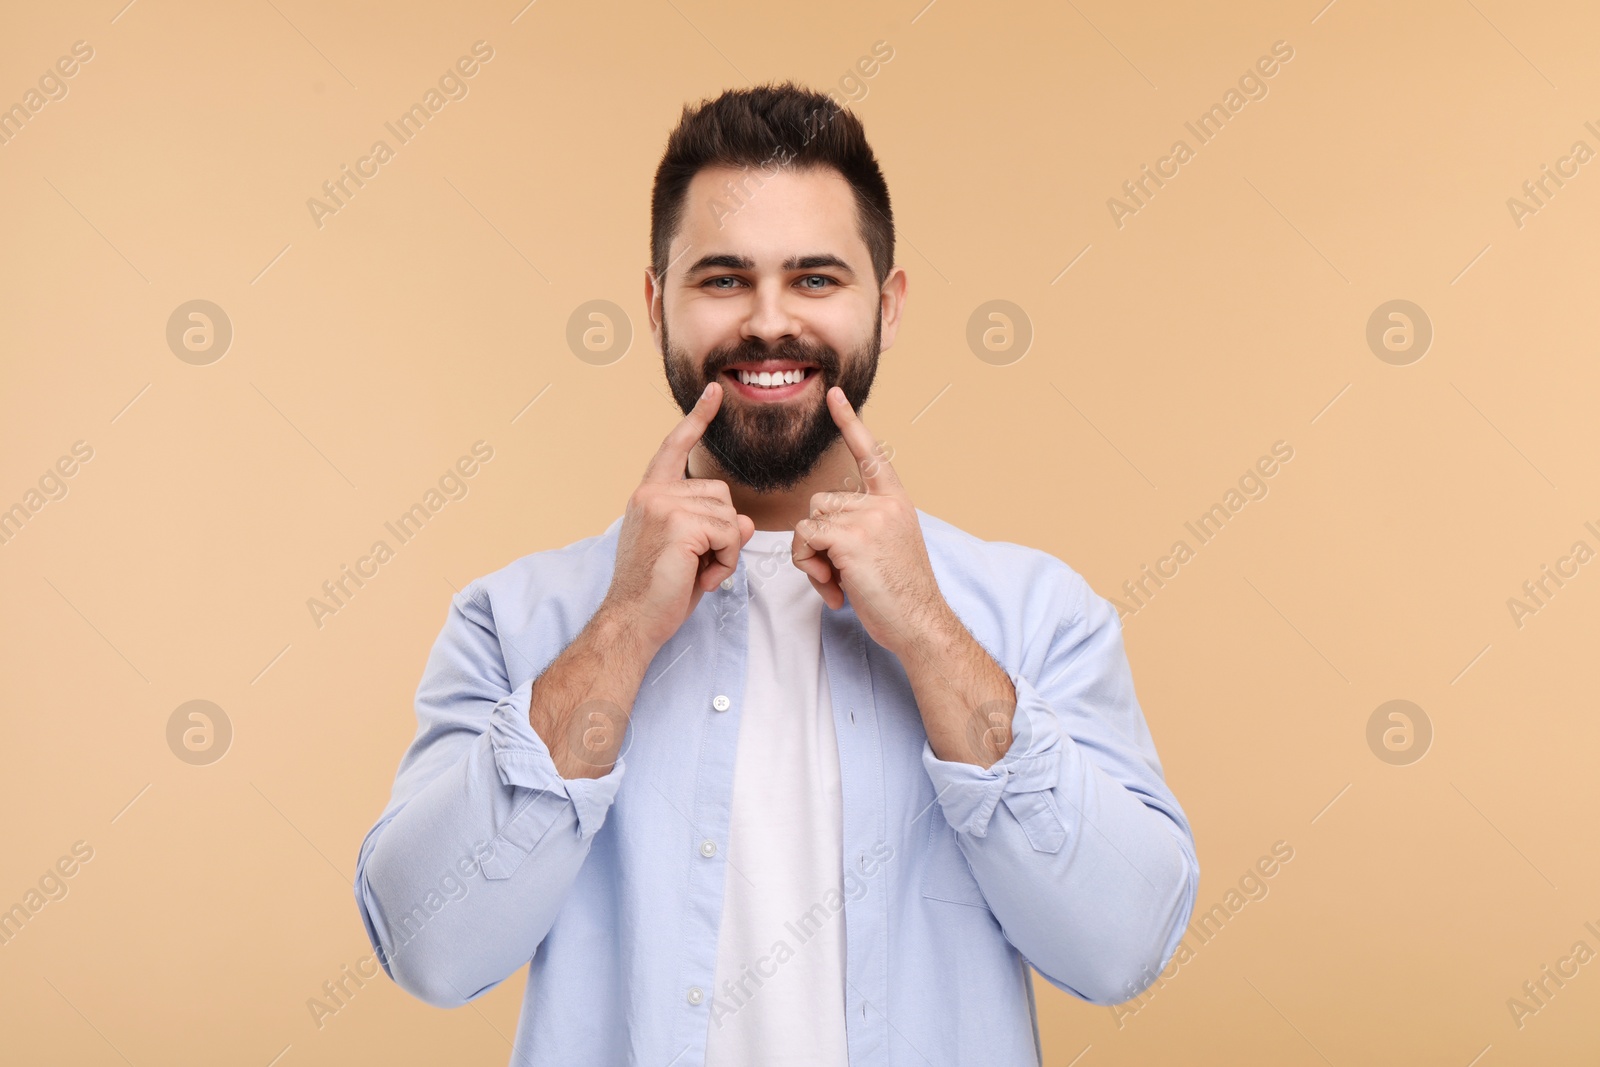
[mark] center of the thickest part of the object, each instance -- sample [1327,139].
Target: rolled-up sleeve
[464,872]
[1081,850]
[524,760]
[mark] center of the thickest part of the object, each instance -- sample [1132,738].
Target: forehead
[770,216]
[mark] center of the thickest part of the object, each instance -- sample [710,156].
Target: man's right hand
[680,536]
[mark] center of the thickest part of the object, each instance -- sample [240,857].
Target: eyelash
[721,277]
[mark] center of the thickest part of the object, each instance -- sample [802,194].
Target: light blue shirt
[1069,854]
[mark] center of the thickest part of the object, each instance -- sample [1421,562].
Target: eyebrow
[728,261]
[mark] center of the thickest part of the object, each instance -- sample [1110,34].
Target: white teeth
[768,379]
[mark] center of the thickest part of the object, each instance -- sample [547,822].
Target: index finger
[671,458]
[878,476]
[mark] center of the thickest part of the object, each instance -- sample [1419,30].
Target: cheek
[842,326]
[701,324]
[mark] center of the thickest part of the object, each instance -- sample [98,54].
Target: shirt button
[708,848]
[727,583]
[695,996]
[721,703]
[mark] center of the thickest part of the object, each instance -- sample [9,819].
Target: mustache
[821,356]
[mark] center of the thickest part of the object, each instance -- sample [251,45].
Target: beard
[771,446]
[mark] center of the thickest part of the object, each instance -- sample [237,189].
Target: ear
[652,301]
[891,304]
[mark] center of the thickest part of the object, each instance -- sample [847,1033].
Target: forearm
[582,702]
[1093,894]
[1082,853]
[965,697]
[448,930]
[462,876]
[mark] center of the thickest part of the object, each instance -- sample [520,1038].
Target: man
[778,769]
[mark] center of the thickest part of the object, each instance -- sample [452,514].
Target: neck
[780,510]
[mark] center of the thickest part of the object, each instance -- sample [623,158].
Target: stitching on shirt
[520,852]
[877,725]
[1042,823]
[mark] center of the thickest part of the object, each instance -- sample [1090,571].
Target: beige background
[1229,313]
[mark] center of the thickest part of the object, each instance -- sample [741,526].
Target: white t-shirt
[778,999]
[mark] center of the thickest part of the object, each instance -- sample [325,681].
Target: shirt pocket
[947,875]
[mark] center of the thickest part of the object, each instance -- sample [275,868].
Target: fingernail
[707,390]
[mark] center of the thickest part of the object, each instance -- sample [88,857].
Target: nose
[771,317]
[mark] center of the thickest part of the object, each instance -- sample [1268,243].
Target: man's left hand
[868,546]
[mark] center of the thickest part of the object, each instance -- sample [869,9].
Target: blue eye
[817,277]
[719,278]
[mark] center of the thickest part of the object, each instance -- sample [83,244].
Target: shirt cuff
[1023,777]
[523,759]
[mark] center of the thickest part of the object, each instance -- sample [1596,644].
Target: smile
[770,380]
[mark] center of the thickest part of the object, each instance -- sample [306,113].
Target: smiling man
[779,769]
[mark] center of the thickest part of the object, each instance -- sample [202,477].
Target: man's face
[771,275]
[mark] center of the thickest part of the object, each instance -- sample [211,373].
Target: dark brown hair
[763,128]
